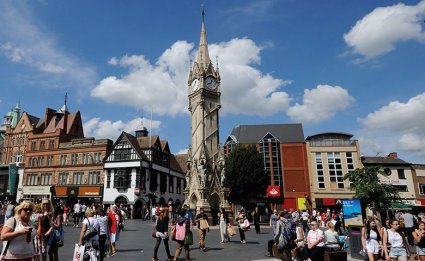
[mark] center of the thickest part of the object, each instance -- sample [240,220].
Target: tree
[370,190]
[245,176]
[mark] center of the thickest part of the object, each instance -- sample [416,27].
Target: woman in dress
[162,234]
[371,240]
[399,248]
[419,236]
[18,231]
[224,222]
[241,220]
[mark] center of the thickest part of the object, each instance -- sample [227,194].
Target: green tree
[245,176]
[373,193]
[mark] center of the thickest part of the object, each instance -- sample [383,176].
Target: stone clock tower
[205,165]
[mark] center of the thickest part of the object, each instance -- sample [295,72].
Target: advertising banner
[352,211]
[13,179]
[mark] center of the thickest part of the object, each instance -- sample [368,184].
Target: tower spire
[203,54]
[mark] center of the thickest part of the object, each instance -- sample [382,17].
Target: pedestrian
[409,223]
[242,220]
[10,210]
[162,234]
[274,218]
[202,220]
[113,221]
[315,243]
[304,217]
[102,220]
[36,221]
[223,218]
[338,224]
[88,239]
[77,213]
[331,237]
[56,224]
[256,219]
[183,227]
[46,227]
[419,236]
[399,248]
[83,210]
[18,232]
[371,240]
[281,240]
[65,214]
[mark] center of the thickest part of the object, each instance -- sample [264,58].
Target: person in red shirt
[113,221]
[65,215]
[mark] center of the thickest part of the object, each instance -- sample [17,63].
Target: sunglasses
[28,209]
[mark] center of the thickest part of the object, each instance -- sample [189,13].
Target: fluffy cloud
[320,104]
[379,31]
[21,41]
[98,128]
[404,121]
[162,86]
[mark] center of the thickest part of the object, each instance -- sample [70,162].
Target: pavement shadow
[130,250]
[214,249]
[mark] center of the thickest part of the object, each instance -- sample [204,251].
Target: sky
[341,66]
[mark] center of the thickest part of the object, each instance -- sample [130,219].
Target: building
[397,173]
[285,158]
[141,171]
[330,156]
[58,155]
[418,171]
[205,160]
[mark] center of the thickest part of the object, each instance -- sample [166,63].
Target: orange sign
[273,191]
[89,191]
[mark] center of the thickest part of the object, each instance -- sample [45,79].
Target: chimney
[392,155]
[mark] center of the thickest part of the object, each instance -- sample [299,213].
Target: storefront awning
[399,205]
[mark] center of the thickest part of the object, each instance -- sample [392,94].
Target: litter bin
[355,234]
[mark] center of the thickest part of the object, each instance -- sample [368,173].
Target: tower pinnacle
[203,59]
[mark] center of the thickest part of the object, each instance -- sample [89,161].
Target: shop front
[333,204]
[35,193]
[87,194]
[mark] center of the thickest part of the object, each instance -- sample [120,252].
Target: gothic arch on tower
[193,201]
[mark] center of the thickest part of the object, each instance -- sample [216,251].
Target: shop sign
[394,182]
[273,191]
[89,191]
[35,190]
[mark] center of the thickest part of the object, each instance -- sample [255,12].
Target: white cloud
[23,42]
[378,32]
[320,104]
[183,151]
[95,127]
[404,121]
[162,86]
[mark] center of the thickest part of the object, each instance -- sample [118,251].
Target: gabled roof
[133,142]
[383,161]
[148,141]
[165,146]
[178,162]
[252,134]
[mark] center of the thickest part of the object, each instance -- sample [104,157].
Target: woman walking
[224,222]
[46,227]
[162,234]
[89,224]
[419,236]
[183,226]
[19,232]
[241,221]
[38,242]
[113,221]
[65,215]
[56,224]
[399,248]
[102,220]
[371,240]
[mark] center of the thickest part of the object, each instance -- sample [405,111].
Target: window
[178,186]
[18,157]
[108,179]
[171,184]
[42,145]
[32,179]
[122,179]
[63,178]
[122,151]
[335,170]
[63,159]
[74,159]
[401,174]
[94,177]
[153,181]
[51,144]
[163,182]
[46,178]
[270,149]
[96,157]
[32,145]
[78,177]
[85,158]
[40,161]
[401,188]
[319,169]
[50,160]
[422,189]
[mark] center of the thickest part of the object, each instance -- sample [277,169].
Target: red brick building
[285,158]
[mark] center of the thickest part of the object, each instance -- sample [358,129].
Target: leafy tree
[369,189]
[245,176]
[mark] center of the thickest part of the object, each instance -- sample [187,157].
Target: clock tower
[205,165]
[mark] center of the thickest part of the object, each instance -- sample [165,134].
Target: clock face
[210,83]
[195,84]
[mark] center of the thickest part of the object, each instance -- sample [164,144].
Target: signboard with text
[352,210]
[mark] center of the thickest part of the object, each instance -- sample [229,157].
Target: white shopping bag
[78,253]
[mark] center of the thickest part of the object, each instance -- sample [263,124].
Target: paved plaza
[136,243]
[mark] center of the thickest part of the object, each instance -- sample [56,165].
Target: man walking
[77,213]
[202,220]
[409,222]
[256,218]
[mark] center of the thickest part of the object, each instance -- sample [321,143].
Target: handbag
[154,232]
[203,224]
[173,232]
[231,231]
[78,252]
[188,239]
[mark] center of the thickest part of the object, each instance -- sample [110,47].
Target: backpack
[287,234]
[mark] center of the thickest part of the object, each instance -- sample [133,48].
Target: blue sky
[356,67]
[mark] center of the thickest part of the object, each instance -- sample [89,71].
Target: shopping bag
[188,239]
[203,224]
[154,232]
[78,253]
[231,231]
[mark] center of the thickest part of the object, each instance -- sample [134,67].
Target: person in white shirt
[399,249]
[304,218]
[77,213]
[315,243]
[102,220]
[153,213]
[409,223]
